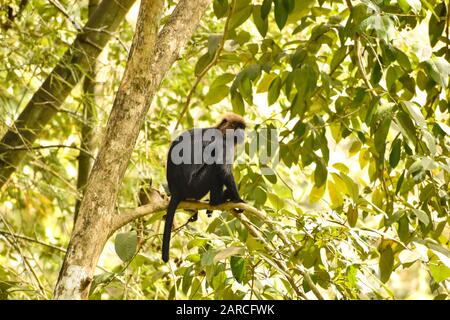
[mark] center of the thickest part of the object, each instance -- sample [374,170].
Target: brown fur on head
[231,121]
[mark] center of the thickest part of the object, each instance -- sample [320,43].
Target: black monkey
[200,161]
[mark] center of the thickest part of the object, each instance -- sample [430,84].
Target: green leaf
[260,196]
[375,77]
[298,106]
[126,245]
[400,182]
[196,242]
[381,24]
[386,263]
[352,215]
[403,228]
[261,24]
[316,193]
[252,71]
[394,157]
[416,5]
[216,94]
[237,102]
[439,70]
[238,268]
[392,75]
[265,8]
[220,8]
[245,88]
[208,257]
[381,134]
[407,128]
[242,13]
[321,172]
[403,59]
[436,24]
[187,280]
[265,82]
[422,216]
[202,63]
[352,187]
[415,113]
[338,57]
[305,80]
[335,194]
[228,252]
[222,79]
[274,91]
[439,272]
[281,14]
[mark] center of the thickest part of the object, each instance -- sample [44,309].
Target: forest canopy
[348,199]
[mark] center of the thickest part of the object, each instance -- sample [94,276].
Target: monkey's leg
[194,217]
[215,197]
[227,196]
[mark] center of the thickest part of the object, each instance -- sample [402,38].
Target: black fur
[194,181]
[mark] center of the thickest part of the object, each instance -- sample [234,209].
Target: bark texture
[47,99]
[150,58]
[87,146]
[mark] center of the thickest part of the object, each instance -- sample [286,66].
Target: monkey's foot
[194,217]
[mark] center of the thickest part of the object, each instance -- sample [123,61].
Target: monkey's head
[232,121]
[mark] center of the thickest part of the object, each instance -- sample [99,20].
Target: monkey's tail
[173,204]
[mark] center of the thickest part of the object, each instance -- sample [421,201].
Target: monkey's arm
[230,184]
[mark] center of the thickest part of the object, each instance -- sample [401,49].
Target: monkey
[200,161]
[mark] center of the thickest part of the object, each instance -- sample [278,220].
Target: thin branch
[361,66]
[58,146]
[359,57]
[209,66]
[112,34]
[255,233]
[158,202]
[22,237]
[61,9]
[27,264]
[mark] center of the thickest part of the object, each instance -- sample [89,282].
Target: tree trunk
[85,160]
[46,100]
[150,58]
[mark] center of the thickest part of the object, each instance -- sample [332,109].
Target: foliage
[359,94]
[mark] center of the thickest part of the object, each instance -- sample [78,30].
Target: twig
[359,57]
[25,260]
[209,66]
[112,34]
[19,236]
[361,66]
[255,233]
[61,9]
[58,146]
[159,203]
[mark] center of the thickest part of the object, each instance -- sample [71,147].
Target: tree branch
[209,66]
[158,202]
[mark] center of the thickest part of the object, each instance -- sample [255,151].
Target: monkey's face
[233,125]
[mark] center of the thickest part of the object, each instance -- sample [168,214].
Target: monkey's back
[190,180]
